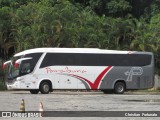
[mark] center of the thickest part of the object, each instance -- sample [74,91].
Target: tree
[108,24]
[5,26]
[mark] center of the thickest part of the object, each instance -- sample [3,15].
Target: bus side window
[25,68]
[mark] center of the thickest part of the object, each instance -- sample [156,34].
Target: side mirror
[16,65]
[4,64]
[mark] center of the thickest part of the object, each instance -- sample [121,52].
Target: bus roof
[72,50]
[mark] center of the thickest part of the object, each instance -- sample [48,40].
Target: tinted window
[125,59]
[85,59]
[27,66]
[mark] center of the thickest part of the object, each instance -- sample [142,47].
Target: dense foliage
[108,24]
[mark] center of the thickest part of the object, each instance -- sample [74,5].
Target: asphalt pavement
[82,101]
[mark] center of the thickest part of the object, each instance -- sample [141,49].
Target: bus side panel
[71,77]
[39,77]
[147,79]
[134,77]
[117,73]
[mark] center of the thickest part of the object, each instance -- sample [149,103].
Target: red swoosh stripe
[98,79]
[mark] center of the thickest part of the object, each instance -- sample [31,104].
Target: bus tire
[119,88]
[45,88]
[34,91]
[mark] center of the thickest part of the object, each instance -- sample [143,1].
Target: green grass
[147,90]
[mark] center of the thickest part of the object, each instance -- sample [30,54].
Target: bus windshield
[13,71]
[26,66]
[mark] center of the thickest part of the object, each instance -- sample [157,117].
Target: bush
[2,86]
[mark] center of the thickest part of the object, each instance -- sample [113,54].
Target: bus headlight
[20,78]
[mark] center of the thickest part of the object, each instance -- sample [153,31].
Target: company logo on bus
[65,70]
[132,72]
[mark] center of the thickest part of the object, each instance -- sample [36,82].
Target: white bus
[46,69]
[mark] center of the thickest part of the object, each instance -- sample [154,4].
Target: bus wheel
[34,91]
[119,88]
[45,88]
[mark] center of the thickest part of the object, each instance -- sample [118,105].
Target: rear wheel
[119,88]
[34,91]
[45,88]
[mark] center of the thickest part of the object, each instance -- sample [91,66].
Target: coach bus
[47,69]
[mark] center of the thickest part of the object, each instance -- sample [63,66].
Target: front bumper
[13,85]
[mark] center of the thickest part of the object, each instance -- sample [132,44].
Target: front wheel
[45,88]
[119,88]
[34,91]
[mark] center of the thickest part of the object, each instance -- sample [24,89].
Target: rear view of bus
[45,69]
